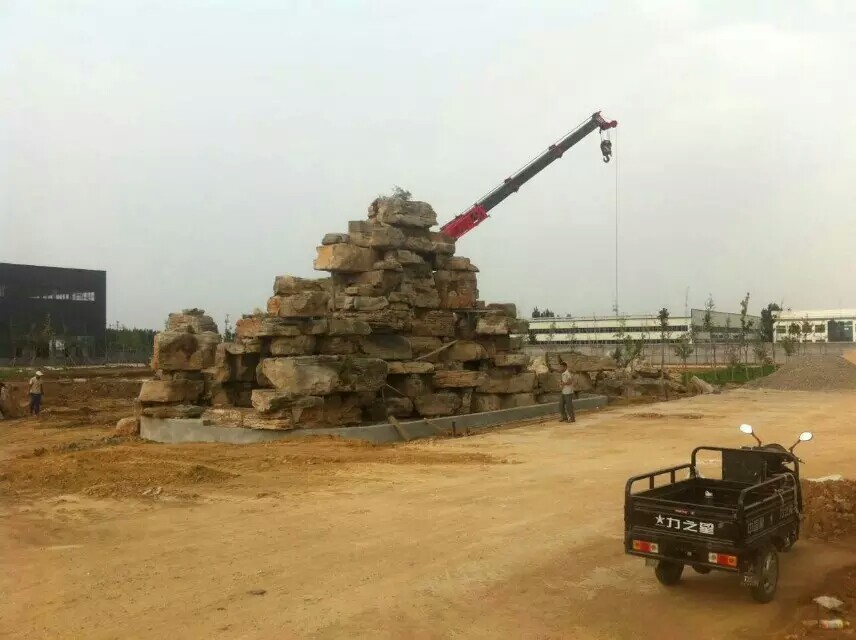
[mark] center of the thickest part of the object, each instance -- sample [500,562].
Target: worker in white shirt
[566,404]
[36,394]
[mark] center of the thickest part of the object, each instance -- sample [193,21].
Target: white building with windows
[815,325]
[607,330]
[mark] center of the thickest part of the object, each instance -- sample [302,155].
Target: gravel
[810,373]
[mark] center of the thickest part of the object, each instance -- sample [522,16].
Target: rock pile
[396,329]
[830,509]
[810,373]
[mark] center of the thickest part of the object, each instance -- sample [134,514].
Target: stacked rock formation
[396,329]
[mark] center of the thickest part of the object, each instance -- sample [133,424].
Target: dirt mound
[830,509]
[810,373]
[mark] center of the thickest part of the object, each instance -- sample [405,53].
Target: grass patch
[738,375]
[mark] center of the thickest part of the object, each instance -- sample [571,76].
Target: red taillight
[722,559]
[646,547]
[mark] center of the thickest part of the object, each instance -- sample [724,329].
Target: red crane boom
[475,215]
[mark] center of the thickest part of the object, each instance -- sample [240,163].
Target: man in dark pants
[566,404]
[36,394]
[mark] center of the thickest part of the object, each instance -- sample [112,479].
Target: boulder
[457,289]
[323,375]
[440,243]
[401,212]
[337,345]
[411,386]
[511,360]
[300,305]
[292,346]
[514,400]
[404,257]
[263,326]
[127,427]
[406,368]
[388,346]
[444,403]
[383,321]
[455,379]
[184,351]
[346,258]
[348,327]
[549,398]
[364,303]
[336,238]
[423,345]
[494,325]
[378,282]
[166,391]
[464,351]
[398,407]
[458,263]
[486,402]
[495,345]
[440,324]
[291,285]
[269,401]
[505,308]
[375,236]
[700,386]
[173,411]
[549,382]
[505,381]
[192,321]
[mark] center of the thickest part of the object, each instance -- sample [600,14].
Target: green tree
[684,349]
[768,320]
[228,330]
[790,344]
[746,326]
[536,312]
[665,334]
[806,330]
[708,326]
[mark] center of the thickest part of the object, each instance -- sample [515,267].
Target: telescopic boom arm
[468,220]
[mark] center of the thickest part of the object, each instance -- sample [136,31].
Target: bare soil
[517,533]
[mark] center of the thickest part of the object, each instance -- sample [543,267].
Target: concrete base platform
[174,430]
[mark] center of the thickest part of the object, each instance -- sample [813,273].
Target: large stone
[506,381]
[336,238]
[168,411]
[700,386]
[441,243]
[337,345]
[401,212]
[346,258]
[423,345]
[323,375]
[511,360]
[404,257]
[459,263]
[383,282]
[384,321]
[439,324]
[127,427]
[309,304]
[167,391]
[464,351]
[402,368]
[494,325]
[233,363]
[457,379]
[375,236]
[398,406]
[292,346]
[365,303]
[184,351]
[290,285]
[505,308]
[549,382]
[495,345]
[411,386]
[485,402]
[348,327]
[263,326]
[514,400]
[457,289]
[272,400]
[387,346]
[444,403]
[191,320]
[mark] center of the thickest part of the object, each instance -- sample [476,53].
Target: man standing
[566,404]
[36,394]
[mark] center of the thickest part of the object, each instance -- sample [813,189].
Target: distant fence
[702,354]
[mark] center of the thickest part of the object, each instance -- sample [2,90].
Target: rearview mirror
[805,436]
[747,429]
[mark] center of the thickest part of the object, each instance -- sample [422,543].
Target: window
[820,328]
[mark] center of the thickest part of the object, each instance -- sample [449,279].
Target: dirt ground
[513,534]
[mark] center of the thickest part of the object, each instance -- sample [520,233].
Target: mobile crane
[475,215]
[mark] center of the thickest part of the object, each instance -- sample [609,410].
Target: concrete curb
[177,430]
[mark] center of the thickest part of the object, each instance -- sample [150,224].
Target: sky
[196,149]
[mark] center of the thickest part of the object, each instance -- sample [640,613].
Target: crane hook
[606,149]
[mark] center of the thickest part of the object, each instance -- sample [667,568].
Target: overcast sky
[195,149]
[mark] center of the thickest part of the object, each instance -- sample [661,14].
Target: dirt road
[515,534]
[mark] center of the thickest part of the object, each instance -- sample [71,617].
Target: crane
[475,215]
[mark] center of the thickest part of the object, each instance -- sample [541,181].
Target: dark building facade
[52,312]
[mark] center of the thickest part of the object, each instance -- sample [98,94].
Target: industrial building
[52,312]
[815,325]
[606,330]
